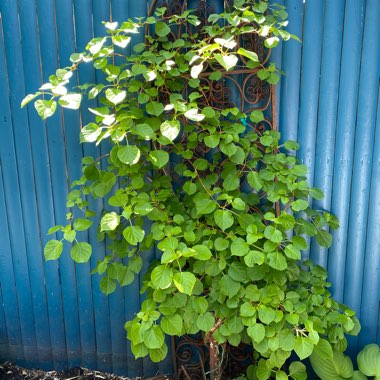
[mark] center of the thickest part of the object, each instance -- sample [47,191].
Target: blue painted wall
[52,315]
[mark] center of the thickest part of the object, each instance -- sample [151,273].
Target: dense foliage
[227,206]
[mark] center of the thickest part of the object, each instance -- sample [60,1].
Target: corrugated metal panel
[53,314]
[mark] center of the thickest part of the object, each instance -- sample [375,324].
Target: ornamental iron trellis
[237,88]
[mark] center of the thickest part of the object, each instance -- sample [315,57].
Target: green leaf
[134,234]
[316,193]
[158,354]
[161,277]
[53,250]
[81,252]
[329,364]
[299,242]
[90,133]
[299,205]
[162,29]
[247,310]
[212,141]
[184,282]
[129,154]
[29,98]
[203,253]
[154,337]
[159,158]
[205,322]
[139,48]
[115,96]
[256,332]
[281,375]
[121,41]
[239,204]
[239,247]
[70,235]
[277,260]
[299,170]
[254,181]
[324,238]
[126,277]
[291,145]
[266,314]
[155,108]
[221,244]
[223,219]
[144,131]
[208,112]
[82,224]
[54,229]
[249,54]
[189,188]
[271,42]
[273,234]
[109,221]
[170,129]
[369,360]
[45,108]
[71,101]
[257,116]
[228,286]
[196,70]
[292,252]
[303,347]
[231,182]
[100,63]
[297,371]
[172,325]
[263,372]
[216,75]
[192,114]
[228,61]
[253,258]
[266,140]
[107,285]
[205,206]
[228,149]
[359,376]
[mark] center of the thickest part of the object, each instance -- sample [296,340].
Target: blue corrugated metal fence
[52,315]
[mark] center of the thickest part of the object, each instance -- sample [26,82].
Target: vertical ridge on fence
[309,87]
[327,112]
[31,62]
[344,141]
[4,348]
[54,324]
[67,352]
[363,154]
[101,12]
[310,80]
[8,285]
[68,29]
[291,66]
[370,305]
[22,222]
[136,367]
[7,276]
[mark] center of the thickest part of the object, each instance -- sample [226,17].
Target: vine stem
[215,365]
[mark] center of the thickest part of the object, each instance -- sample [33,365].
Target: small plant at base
[221,198]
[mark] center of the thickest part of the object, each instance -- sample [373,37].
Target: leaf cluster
[226,205]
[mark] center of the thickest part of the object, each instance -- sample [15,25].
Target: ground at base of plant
[10,371]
